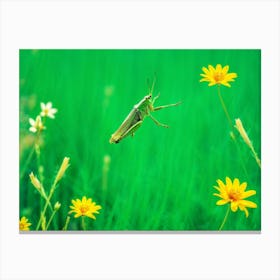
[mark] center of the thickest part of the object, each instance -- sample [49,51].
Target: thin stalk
[51,218]
[225,218]
[43,224]
[241,157]
[83,223]
[105,171]
[22,172]
[247,141]
[66,223]
[225,108]
[59,175]
[232,130]
[256,157]
[34,149]
[46,204]
[39,165]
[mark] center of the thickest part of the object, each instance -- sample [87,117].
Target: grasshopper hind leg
[131,130]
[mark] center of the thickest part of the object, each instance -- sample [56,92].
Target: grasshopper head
[149,96]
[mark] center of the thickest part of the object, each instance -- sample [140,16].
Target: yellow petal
[205,70]
[91,216]
[219,68]
[235,184]
[248,194]
[234,206]
[225,84]
[75,202]
[248,203]
[212,69]
[217,188]
[228,183]
[218,195]
[212,84]
[204,80]
[221,202]
[225,69]
[243,208]
[221,184]
[231,76]
[243,187]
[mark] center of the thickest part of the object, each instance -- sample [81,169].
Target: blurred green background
[161,179]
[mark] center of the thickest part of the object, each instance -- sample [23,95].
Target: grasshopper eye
[148,96]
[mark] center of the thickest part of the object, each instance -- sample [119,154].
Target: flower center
[218,77]
[234,196]
[21,226]
[84,209]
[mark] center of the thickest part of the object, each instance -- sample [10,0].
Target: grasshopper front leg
[157,122]
[155,98]
[165,106]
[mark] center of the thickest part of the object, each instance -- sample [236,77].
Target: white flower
[36,125]
[47,110]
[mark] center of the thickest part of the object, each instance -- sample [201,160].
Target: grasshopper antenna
[153,85]
[148,84]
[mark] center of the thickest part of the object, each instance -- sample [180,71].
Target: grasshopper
[137,115]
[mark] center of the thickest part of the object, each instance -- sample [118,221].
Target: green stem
[39,166]
[66,223]
[47,200]
[256,157]
[22,172]
[50,220]
[241,157]
[83,223]
[232,130]
[36,144]
[225,218]
[46,205]
[225,108]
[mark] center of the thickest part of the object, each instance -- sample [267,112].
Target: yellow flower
[218,75]
[23,224]
[234,193]
[47,110]
[36,125]
[84,207]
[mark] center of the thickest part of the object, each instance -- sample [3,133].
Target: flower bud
[35,182]
[65,164]
[57,206]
